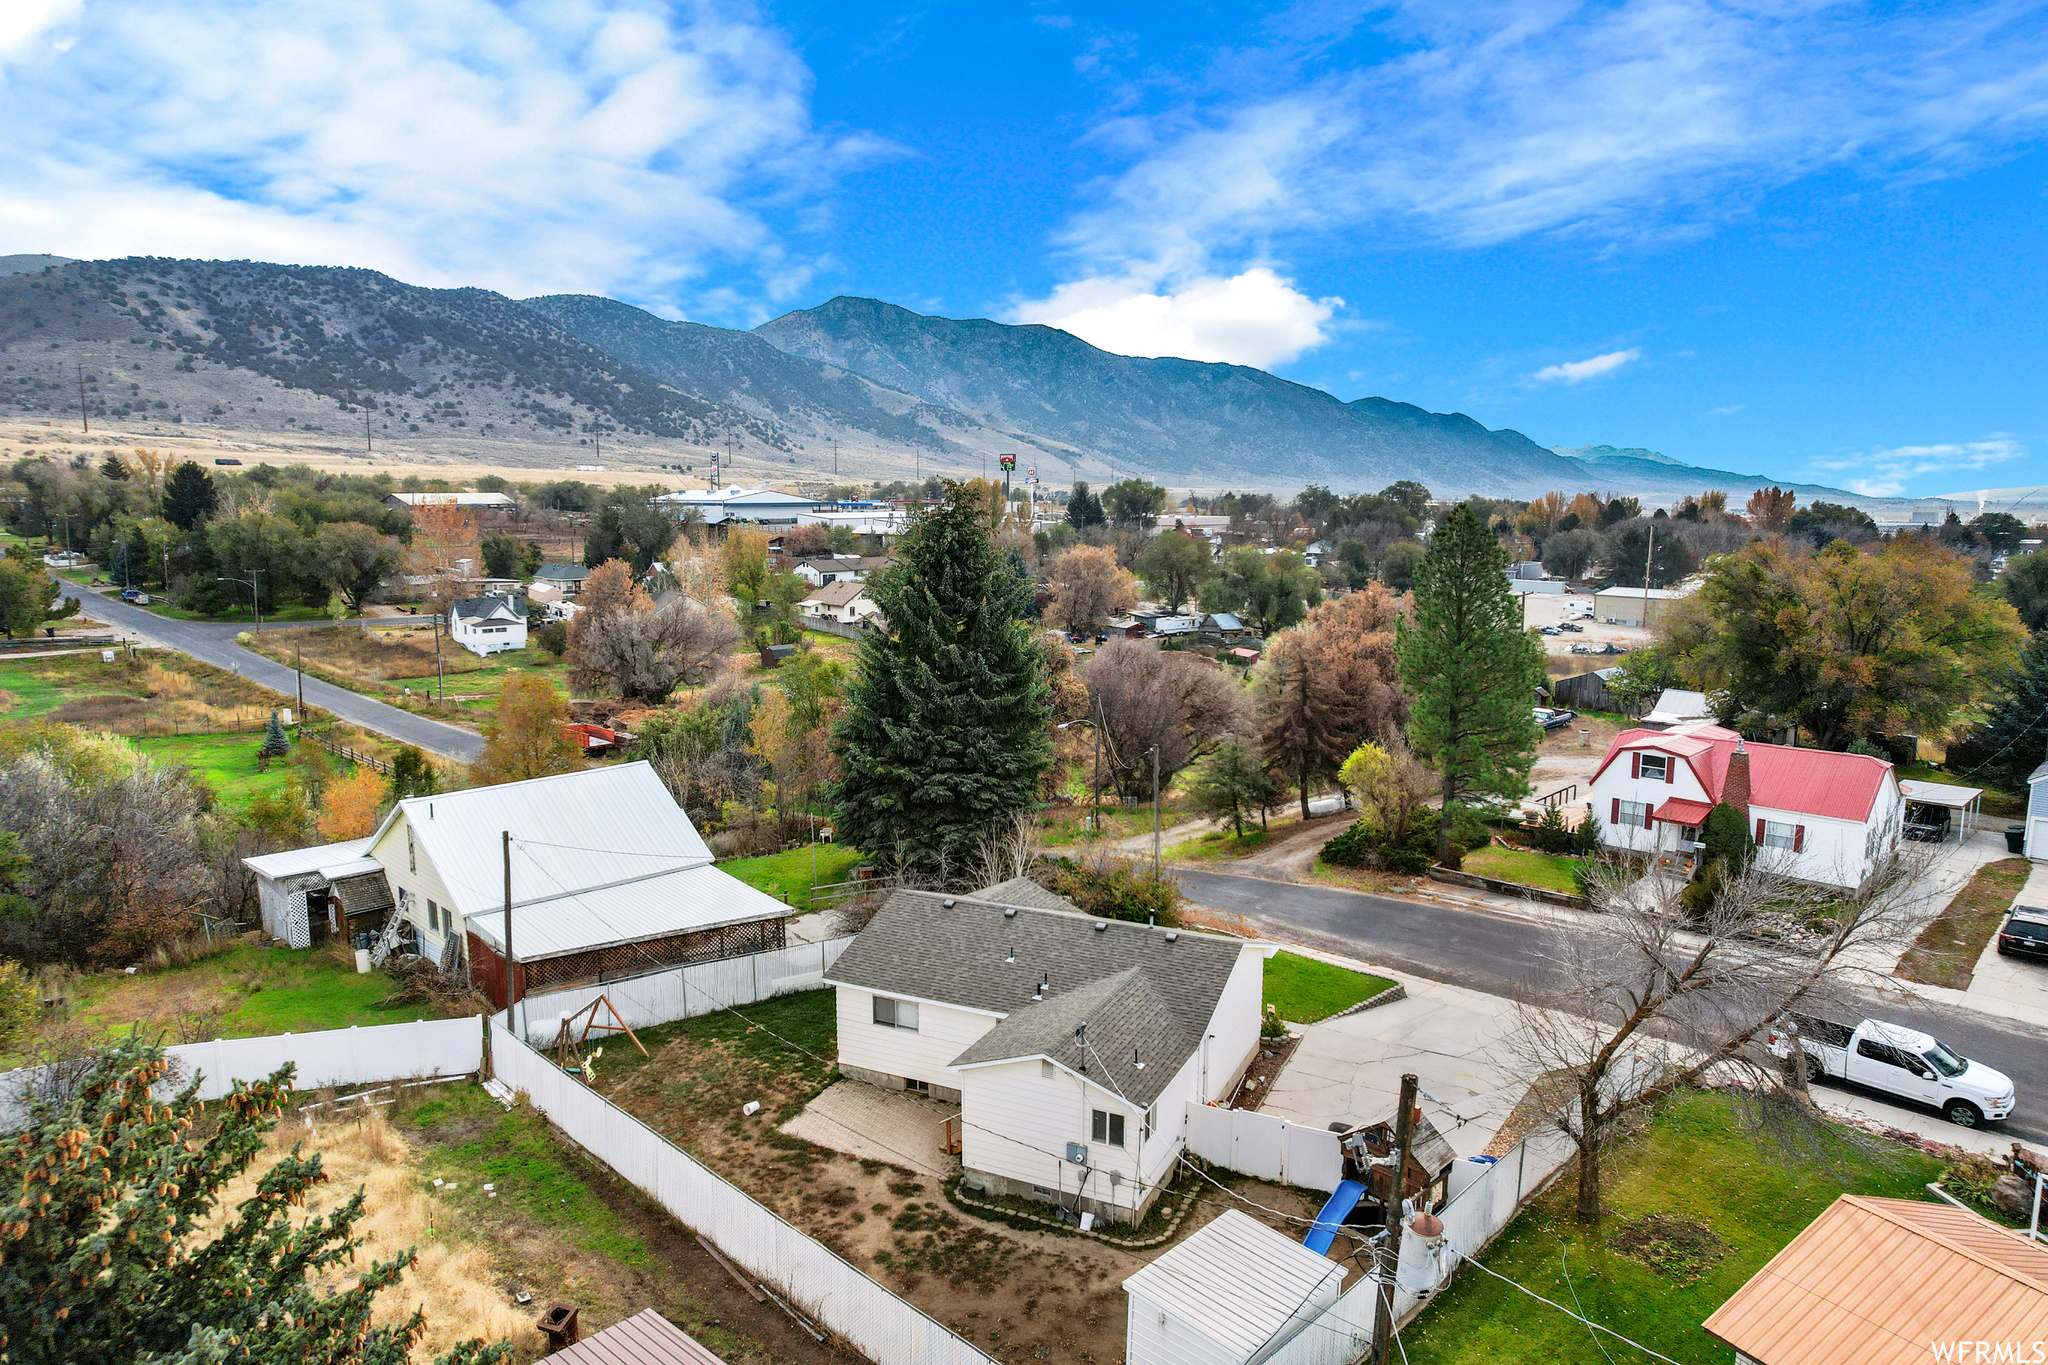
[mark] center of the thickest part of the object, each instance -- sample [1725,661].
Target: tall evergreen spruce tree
[946,728]
[2014,736]
[1470,668]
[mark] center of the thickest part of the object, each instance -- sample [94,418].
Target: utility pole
[1155,812]
[255,593]
[84,419]
[1390,1256]
[440,678]
[835,459]
[366,434]
[1648,555]
[299,667]
[507,836]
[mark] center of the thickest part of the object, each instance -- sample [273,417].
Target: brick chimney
[1735,786]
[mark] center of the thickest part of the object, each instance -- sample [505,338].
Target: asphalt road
[214,643]
[1490,952]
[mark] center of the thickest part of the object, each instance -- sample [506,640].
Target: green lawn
[227,763]
[1221,845]
[32,687]
[1691,1162]
[1306,989]
[1524,866]
[789,875]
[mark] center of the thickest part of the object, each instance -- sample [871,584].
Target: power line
[1562,1309]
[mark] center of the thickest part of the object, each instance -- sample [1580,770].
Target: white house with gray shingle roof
[1073,1045]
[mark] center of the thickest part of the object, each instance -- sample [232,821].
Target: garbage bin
[2015,838]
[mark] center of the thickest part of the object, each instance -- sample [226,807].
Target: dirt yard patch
[1022,1296]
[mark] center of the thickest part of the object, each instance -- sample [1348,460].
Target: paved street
[214,643]
[1486,951]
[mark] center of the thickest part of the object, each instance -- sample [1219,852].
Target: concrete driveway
[1349,1069]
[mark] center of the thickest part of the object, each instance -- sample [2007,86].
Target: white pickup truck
[1898,1061]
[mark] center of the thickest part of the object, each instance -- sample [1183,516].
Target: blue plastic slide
[1349,1192]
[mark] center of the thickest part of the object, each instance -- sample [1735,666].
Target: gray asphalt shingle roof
[1146,994]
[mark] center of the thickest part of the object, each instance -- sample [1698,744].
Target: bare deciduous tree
[1088,587]
[650,651]
[1143,697]
[1639,1000]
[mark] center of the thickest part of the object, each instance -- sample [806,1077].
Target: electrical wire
[1565,1270]
[1562,1309]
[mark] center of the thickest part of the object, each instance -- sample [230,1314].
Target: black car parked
[2025,931]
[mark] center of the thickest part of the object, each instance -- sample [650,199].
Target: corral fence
[825,1286]
[664,995]
[343,751]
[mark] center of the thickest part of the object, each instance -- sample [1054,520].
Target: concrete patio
[873,1124]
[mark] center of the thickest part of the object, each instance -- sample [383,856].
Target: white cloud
[24,21]
[1727,411]
[1890,469]
[606,145]
[1253,318]
[1579,371]
[1637,119]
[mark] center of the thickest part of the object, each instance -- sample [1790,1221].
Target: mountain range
[248,345]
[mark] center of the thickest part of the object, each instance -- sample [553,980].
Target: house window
[1109,1128]
[1045,1070]
[1151,1121]
[1635,814]
[411,855]
[1780,836]
[917,1087]
[434,917]
[1655,767]
[896,1013]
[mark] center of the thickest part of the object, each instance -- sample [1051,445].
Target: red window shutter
[1635,765]
[1616,819]
[1670,768]
[1798,837]
[1759,834]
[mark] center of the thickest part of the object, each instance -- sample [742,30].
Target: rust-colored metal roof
[646,1338]
[1877,1281]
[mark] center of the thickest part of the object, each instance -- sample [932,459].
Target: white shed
[1232,1294]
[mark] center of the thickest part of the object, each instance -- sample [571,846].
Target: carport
[1964,804]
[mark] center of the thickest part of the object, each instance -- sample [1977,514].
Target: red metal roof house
[1818,816]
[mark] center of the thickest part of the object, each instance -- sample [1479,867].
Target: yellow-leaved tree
[525,738]
[351,806]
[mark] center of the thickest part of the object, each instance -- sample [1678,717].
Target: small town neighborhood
[764,684]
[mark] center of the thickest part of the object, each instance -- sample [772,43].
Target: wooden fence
[340,750]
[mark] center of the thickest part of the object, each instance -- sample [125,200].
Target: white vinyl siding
[1235,1026]
[1635,814]
[942,1034]
[416,885]
[1036,1119]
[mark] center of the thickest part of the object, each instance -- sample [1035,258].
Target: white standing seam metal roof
[331,860]
[1939,793]
[1237,1281]
[553,923]
[570,832]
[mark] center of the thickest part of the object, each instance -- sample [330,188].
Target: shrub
[553,637]
[1119,889]
[1586,836]
[1551,835]
[1354,847]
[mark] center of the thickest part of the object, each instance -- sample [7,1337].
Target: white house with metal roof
[1073,1045]
[608,879]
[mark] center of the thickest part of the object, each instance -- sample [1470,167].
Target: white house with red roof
[1817,816]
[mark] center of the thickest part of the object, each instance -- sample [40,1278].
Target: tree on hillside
[116,1246]
[525,736]
[1145,698]
[2025,584]
[1326,687]
[1174,565]
[943,739]
[355,560]
[1470,669]
[29,594]
[1770,509]
[1084,509]
[1388,786]
[1853,644]
[189,496]
[1088,588]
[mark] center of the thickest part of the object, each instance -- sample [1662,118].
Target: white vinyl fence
[1471,1220]
[830,1289]
[334,1057]
[686,992]
[1265,1146]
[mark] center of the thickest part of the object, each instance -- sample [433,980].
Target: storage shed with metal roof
[1234,1293]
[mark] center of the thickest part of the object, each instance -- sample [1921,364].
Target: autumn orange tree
[1328,686]
[526,735]
[351,806]
[1088,587]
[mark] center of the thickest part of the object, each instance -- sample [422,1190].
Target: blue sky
[1794,237]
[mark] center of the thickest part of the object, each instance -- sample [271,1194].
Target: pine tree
[412,774]
[946,728]
[2014,739]
[111,1249]
[189,496]
[1469,667]
[1231,783]
[275,742]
